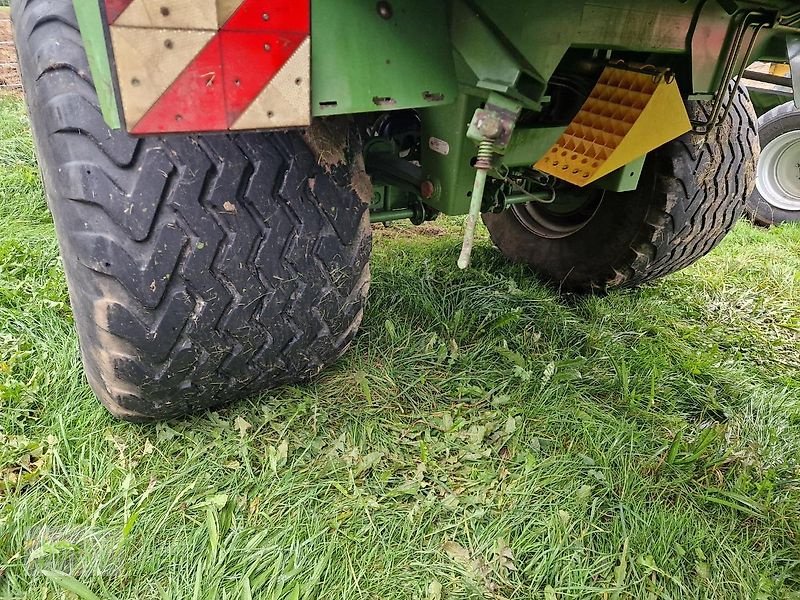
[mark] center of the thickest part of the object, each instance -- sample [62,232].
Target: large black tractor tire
[776,198]
[200,268]
[691,194]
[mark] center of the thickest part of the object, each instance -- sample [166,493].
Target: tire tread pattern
[703,183]
[201,268]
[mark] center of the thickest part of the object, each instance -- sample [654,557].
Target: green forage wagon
[213,166]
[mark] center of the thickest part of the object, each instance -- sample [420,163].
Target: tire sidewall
[773,124]
[583,261]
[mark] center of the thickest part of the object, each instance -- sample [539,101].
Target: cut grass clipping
[484,438]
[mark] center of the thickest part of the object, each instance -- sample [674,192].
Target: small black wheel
[691,194]
[776,198]
[200,268]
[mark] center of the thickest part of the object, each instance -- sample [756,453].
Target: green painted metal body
[446,153]
[363,62]
[764,101]
[90,22]
[530,142]
[443,58]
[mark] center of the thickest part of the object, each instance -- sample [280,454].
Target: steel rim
[573,210]
[778,179]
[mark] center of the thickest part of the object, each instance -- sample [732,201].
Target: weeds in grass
[484,438]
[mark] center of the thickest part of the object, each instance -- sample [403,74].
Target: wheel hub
[572,210]
[779,172]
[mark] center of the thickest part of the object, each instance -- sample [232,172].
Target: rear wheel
[776,198]
[691,194]
[200,268]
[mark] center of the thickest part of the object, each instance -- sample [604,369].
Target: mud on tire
[200,268]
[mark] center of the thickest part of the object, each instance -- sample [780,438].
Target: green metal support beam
[90,22]
[389,216]
[625,179]
[446,154]
[529,145]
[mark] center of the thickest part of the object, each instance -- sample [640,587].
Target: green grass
[485,438]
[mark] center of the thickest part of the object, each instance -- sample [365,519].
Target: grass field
[485,438]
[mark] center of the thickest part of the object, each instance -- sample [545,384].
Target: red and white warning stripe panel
[212,65]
